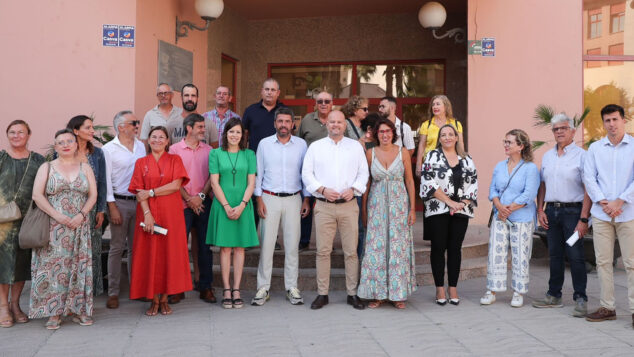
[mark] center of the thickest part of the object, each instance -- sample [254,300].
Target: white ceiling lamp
[209,10]
[432,16]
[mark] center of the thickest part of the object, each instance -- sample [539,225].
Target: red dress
[160,264]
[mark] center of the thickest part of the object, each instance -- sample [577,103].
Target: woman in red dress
[160,263]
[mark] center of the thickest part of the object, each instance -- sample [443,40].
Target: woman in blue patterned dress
[387,270]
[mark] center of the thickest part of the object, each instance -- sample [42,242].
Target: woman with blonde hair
[440,114]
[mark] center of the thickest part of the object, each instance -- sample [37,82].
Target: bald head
[336,125]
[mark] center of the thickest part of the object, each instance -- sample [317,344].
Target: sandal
[53,324]
[20,317]
[398,304]
[153,310]
[83,320]
[164,307]
[376,303]
[237,303]
[6,320]
[227,303]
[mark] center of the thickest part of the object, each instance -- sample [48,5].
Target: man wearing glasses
[162,113]
[567,211]
[221,114]
[311,129]
[120,155]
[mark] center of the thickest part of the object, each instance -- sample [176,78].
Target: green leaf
[536,144]
[543,115]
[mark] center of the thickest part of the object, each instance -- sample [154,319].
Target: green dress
[222,231]
[15,263]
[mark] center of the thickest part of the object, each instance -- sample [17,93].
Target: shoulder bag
[11,212]
[35,230]
[501,193]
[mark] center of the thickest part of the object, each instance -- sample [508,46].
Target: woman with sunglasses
[355,110]
[513,191]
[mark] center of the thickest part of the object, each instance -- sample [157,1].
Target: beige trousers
[605,233]
[328,218]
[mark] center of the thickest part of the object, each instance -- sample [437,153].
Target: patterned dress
[62,271]
[388,268]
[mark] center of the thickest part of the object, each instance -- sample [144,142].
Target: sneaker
[293,295]
[517,300]
[260,297]
[548,301]
[488,298]
[601,314]
[581,308]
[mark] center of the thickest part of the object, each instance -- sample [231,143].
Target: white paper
[157,229]
[573,239]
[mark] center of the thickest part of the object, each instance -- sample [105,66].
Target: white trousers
[288,210]
[520,237]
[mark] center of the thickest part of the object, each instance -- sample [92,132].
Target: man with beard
[189,95]
[277,189]
[163,113]
[221,114]
[335,170]
[387,109]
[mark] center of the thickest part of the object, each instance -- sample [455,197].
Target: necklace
[233,165]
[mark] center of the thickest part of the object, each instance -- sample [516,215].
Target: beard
[190,106]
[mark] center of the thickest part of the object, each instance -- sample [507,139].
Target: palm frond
[537,144]
[579,120]
[543,115]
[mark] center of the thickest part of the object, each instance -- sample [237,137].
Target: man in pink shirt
[196,202]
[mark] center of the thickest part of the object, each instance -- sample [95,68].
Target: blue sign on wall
[488,47]
[118,36]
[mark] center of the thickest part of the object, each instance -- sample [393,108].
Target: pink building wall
[537,61]
[54,65]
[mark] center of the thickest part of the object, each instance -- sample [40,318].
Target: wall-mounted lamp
[432,15]
[209,10]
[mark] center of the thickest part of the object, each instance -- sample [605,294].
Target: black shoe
[303,246]
[278,246]
[175,299]
[355,302]
[320,301]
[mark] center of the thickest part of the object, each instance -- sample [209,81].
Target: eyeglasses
[324,101]
[365,109]
[133,122]
[561,128]
[65,142]
[507,142]
[163,94]
[384,131]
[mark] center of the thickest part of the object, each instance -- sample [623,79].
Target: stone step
[471,268]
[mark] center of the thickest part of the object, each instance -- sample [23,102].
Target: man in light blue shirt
[567,211]
[277,189]
[609,179]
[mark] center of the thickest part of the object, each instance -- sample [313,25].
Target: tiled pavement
[279,329]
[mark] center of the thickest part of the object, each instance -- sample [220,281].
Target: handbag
[35,228]
[501,193]
[10,212]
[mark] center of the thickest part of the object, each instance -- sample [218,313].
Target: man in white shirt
[120,155]
[162,113]
[405,138]
[277,189]
[335,170]
[567,210]
[609,178]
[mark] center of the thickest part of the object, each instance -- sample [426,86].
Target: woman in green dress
[231,221]
[18,167]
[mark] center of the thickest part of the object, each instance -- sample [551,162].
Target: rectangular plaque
[175,65]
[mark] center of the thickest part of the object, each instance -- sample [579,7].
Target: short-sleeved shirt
[177,132]
[431,130]
[220,122]
[154,117]
[353,131]
[259,122]
[312,129]
[196,162]
[563,175]
[407,141]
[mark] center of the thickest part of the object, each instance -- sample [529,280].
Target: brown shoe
[601,314]
[113,302]
[207,295]
[175,299]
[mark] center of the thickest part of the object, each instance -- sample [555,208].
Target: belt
[281,194]
[341,200]
[564,204]
[124,197]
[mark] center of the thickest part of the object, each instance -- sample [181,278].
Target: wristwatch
[201,195]
[584,220]
[152,193]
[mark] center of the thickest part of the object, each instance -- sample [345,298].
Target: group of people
[216,177]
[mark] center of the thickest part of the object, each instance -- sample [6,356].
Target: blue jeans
[307,222]
[205,255]
[361,246]
[561,224]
